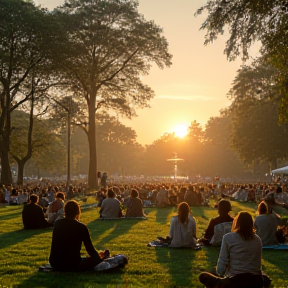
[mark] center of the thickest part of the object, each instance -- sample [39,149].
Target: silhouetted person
[68,235]
[33,216]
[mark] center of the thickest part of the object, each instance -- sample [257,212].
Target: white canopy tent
[283,170]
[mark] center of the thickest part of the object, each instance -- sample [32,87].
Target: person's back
[134,205]
[68,236]
[183,235]
[162,198]
[33,216]
[266,225]
[56,208]
[183,228]
[239,258]
[244,255]
[110,206]
[224,207]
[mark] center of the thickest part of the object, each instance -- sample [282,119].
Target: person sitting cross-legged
[266,225]
[33,216]
[110,207]
[56,208]
[239,258]
[224,207]
[183,228]
[134,205]
[68,235]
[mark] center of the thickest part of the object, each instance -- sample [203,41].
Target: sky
[195,87]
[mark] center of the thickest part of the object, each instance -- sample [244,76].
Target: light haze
[195,86]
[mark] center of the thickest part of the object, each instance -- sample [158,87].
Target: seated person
[110,207]
[68,235]
[183,228]
[100,196]
[134,205]
[224,207]
[191,196]
[162,199]
[56,208]
[266,225]
[33,216]
[239,258]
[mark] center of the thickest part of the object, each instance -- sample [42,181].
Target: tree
[108,47]
[219,158]
[247,22]
[25,37]
[45,148]
[264,22]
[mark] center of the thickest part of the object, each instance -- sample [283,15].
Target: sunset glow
[180,130]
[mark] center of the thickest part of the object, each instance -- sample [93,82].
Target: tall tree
[24,33]
[108,47]
[247,22]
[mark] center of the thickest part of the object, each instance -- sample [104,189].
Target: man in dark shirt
[67,238]
[33,216]
[224,207]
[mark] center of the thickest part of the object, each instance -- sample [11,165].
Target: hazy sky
[195,86]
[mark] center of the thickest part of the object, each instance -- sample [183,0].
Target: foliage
[254,112]
[109,45]
[26,32]
[23,251]
[220,158]
[247,21]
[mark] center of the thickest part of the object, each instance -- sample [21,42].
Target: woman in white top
[239,258]
[183,228]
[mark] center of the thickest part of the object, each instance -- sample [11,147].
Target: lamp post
[175,160]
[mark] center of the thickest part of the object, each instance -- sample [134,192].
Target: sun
[180,130]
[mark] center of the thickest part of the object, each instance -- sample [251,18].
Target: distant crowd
[239,263]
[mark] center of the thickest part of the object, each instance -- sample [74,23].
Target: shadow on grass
[71,280]
[18,236]
[113,229]
[179,262]
[162,213]
[277,258]
[10,216]
[199,211]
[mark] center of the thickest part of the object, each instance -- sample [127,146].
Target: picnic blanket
[159,243]
[276,247]
[111,263]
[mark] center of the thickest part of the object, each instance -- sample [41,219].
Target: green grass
[22,252]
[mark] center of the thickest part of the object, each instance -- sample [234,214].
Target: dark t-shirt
[33,217]
[67,238]
[220,219]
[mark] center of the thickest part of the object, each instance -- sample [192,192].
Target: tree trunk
[20,175]
[92,173]
[6,175]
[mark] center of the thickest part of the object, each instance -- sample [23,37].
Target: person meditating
[266,225]
[134,205]
[56,208]
[183,228]
[33,216]
[110,207]
[224,207]
[239,258]
[68,235]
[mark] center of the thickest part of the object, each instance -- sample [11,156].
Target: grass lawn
[22,252]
